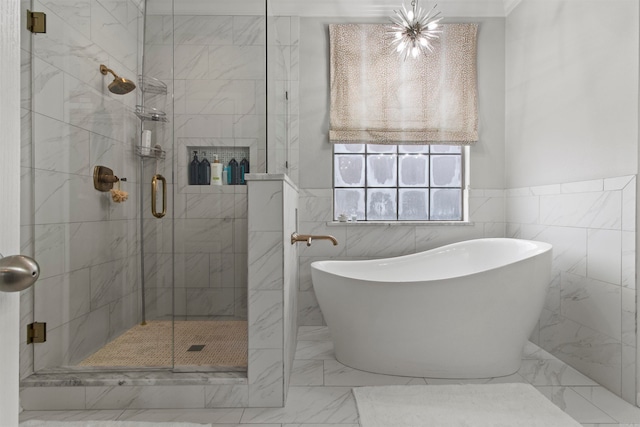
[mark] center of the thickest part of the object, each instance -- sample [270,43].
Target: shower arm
[104,70]
[308,238]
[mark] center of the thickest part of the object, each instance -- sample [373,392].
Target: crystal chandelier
[414,30]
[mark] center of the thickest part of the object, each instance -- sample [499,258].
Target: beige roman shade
[377,97]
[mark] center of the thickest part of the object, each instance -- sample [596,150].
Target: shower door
[85,238]
[212,59]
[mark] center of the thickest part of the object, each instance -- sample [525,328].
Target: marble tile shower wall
[273,277]
[217,63]
[284,129]
[361,241]
[290,280]
[85,243]
[589,319]
[219,100]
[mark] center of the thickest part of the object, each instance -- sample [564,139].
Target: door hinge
[36,22]
[36,332]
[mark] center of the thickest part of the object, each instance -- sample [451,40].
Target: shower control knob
[17,273]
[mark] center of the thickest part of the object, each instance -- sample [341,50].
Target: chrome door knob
[17,273]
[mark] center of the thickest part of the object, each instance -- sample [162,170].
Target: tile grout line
[593,403]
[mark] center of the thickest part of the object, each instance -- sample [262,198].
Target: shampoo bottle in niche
[204,171]
[244,169]
[216,171]
[146,143]
[226,175]
[234,170]
[194,169]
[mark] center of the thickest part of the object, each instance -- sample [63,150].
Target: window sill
[399,223]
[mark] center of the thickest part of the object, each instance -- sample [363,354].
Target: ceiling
[380,8]
[353,8]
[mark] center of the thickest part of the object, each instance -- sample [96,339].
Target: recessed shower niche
[226,156]
[226,150]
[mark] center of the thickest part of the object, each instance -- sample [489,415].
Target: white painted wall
[572,91]
[9,212]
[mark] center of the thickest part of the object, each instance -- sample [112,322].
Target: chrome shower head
[119,85]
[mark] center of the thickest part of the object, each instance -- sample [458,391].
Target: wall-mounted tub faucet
[295,237]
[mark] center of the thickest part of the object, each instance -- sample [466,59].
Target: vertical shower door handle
[154,190]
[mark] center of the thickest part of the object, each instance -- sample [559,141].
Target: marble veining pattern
[249,30]
[592,303]
[77,13]
[69,50]
[73,341]
[589,316]
[604,260]
[265,259]
[575,405]
[203,30]
[266,324]
[62,298]
[81,240]
[134,378]
[265,374]
[593,210]
[230,396]
[26,317]
[109,33]
[134,397]
[272,307]
[51,252]
[62,148]
[313,402]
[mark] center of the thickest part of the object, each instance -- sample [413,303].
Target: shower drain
[198,347]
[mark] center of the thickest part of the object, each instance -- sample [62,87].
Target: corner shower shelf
[154,152]
[152,85]
[152,114]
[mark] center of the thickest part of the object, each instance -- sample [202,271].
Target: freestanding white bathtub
[463,310]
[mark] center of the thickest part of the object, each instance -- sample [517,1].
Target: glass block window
[398,182]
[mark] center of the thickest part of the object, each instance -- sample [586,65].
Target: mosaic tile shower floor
[225,345]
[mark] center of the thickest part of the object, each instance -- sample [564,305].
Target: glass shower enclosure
[141,268]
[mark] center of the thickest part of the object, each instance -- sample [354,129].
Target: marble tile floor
[320,394]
